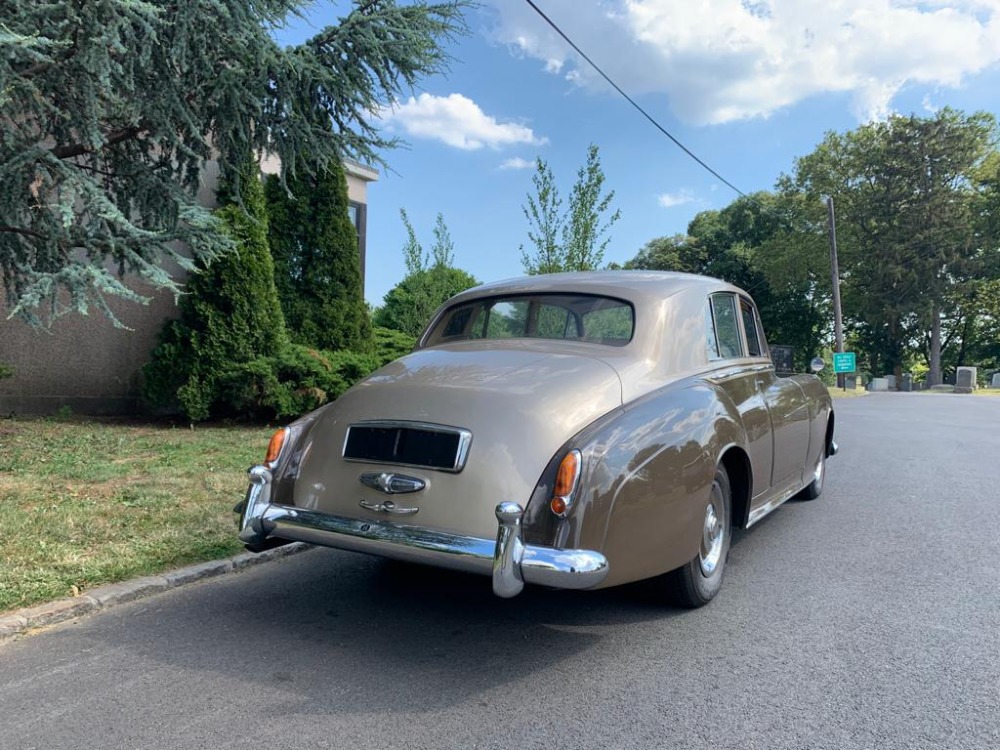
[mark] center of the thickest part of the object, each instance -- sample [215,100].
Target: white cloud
[669,200]
[457,121]
[723,60]
[517,163]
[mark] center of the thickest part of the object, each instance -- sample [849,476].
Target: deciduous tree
[576,240]
[905,200]
[587,226]
[545,223]
[409,305]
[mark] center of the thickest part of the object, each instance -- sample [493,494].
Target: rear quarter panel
[820,416]
[648,475]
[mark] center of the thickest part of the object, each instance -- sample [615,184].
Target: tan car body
[653,419]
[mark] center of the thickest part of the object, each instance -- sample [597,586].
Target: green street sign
[844,362]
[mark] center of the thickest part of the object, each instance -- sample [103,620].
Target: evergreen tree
[229,315]
[111,109]
[316,263]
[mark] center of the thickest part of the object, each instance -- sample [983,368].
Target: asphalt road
[869,618]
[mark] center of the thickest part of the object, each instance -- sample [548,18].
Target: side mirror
[817,364]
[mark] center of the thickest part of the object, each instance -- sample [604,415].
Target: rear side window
[727,327]
[713,343]
[750,326]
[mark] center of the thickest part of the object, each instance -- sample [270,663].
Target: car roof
[633,286]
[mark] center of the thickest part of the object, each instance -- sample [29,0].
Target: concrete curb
[20,621]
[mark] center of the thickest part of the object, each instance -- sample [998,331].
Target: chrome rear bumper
[509,561]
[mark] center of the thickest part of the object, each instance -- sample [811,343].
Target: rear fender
[647,476]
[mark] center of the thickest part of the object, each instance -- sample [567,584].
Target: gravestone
[851,382]
[995,383]
[906,385]
[965,380]
[782,358]
[878,384]
[890,382]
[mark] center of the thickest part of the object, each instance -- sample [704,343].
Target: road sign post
[844,362]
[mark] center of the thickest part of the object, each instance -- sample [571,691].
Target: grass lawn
[85,503]
[836,392]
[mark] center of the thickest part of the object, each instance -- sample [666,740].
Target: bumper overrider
[508,560]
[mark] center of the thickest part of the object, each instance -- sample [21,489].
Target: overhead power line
[635,104]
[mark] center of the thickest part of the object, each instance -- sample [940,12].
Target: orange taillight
[566,480]
[274,447]
[569,471]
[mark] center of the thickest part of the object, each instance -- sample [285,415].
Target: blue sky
[748,85]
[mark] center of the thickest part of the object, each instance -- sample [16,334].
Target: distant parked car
[573,431]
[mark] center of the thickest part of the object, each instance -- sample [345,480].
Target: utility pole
[838,321]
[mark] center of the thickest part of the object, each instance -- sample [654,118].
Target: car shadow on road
[330,632]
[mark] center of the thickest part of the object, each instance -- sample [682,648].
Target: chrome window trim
[742,300]
[461,453]
[739,327]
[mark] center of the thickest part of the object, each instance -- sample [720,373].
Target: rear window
[573,317]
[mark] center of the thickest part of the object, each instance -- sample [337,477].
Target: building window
[358,212]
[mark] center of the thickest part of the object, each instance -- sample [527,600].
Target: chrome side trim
[772,505]
[725,373]
[509,561]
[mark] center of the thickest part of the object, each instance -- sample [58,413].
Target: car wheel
[815,488]
[697,583]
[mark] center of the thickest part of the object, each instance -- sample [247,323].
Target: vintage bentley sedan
[572,431]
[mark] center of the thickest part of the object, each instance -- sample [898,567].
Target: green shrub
[299,378]
[390,344]
[296,380]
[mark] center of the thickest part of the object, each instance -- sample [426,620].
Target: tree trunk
[966,325]
[934,375]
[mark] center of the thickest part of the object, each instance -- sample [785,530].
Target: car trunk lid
[518,402]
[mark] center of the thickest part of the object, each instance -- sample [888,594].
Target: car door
[741,380]
[786,405]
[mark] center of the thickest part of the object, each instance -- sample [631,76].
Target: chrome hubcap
[713,534]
